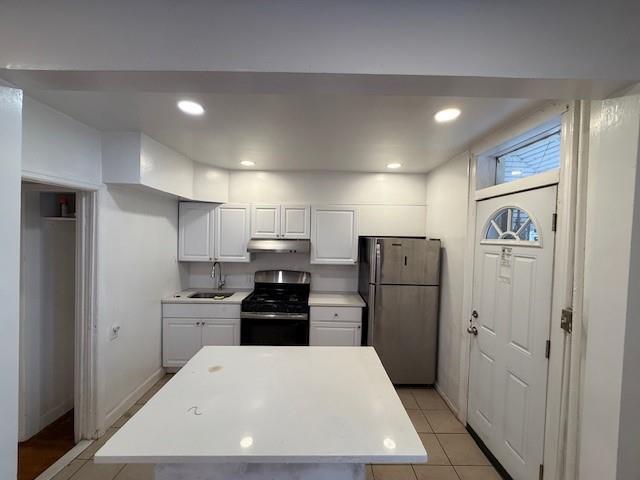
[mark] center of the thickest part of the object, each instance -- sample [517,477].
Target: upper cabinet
[232,232]
[334,235]
[280,221]
[195,232]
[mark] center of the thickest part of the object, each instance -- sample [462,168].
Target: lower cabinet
[341,334]
[183,337]
[335,326]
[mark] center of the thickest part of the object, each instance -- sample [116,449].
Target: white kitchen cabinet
[295,221]
[337,334]
[186,328]
[265,221]
[335,326]
[221,331]
[232,233]
[280,221]
[334,235]
[181,340]
[195,232]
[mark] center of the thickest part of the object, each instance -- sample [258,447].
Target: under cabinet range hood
[278,246]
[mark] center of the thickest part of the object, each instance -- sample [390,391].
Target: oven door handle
[273,316]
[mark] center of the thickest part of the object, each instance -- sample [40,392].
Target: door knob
[472,330]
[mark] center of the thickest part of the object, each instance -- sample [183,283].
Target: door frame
[85,384]
[563,263]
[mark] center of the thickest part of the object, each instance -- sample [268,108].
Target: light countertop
[319,299]
[271,405]
[183,297]
[316,299]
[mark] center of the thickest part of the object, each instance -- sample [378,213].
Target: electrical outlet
[115,331]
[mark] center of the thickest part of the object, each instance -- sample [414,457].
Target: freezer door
[405,331]
[408,261]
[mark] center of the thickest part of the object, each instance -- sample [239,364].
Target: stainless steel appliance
[277,312]
[399,280]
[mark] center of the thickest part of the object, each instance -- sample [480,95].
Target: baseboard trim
[65,460]
[447,400]
[55,413]
[131,399]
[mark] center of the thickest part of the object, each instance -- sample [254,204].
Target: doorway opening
[56,345]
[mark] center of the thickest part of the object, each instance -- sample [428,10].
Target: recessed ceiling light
[394,166]
[447,115]
[247,163]
[190,108]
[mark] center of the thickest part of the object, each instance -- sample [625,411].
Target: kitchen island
[270,412]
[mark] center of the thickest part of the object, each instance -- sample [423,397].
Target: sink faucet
[217,276]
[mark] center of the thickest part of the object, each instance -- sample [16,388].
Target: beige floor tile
[95,471]
[428,399]
[462,449]
[478,473]
[368,472]
[137,471]
[435,472]
[443,421]
[69,470]
[419,421]
[435,453]
[128,414]
[95,446]
[393,472]
[407,398]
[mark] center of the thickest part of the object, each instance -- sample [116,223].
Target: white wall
[57,148]
[544,39]
[48,317]
[137,266]
[611,307]
[447,197]
[10,146]
[324,278]
[388,203]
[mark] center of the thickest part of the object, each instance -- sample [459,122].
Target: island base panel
[260,471]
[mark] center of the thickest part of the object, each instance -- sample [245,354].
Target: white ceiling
[296,131]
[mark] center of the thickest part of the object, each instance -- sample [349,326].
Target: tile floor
[453,454]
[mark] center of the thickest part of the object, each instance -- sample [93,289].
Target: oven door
[274,329]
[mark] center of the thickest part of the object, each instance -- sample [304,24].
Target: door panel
[181,339]
[296,221]
[195,236]
[221,332]
[232,233]
[265,221]
[339,334]
[512,287]
[409,261]
[405,332]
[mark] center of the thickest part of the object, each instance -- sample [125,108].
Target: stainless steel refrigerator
[399,280]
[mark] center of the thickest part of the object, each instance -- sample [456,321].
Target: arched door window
[511,225]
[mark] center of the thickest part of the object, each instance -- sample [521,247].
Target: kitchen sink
[213,295]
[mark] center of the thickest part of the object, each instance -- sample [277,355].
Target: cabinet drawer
[200,310]
[336,314]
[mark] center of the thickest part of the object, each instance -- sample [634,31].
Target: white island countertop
[268,405]
[335,299]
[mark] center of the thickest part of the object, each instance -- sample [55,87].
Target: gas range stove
[277,312]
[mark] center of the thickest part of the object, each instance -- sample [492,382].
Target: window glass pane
[518,218]
[537,157]
[492,234]
[511,224]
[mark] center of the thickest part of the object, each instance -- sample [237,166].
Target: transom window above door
[511,224]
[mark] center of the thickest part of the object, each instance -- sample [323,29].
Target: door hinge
[566,320]
[554,222]
[541,472]
[547,349]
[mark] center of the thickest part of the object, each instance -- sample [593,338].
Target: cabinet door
[221,331]
[195,232]
[295,222]
[265,221]
[233,230]
[336,334]
[181,340]
[334,235]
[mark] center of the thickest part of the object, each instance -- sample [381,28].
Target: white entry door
[509,327]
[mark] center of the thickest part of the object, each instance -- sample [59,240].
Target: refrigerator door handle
[372,314]
[378,262]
